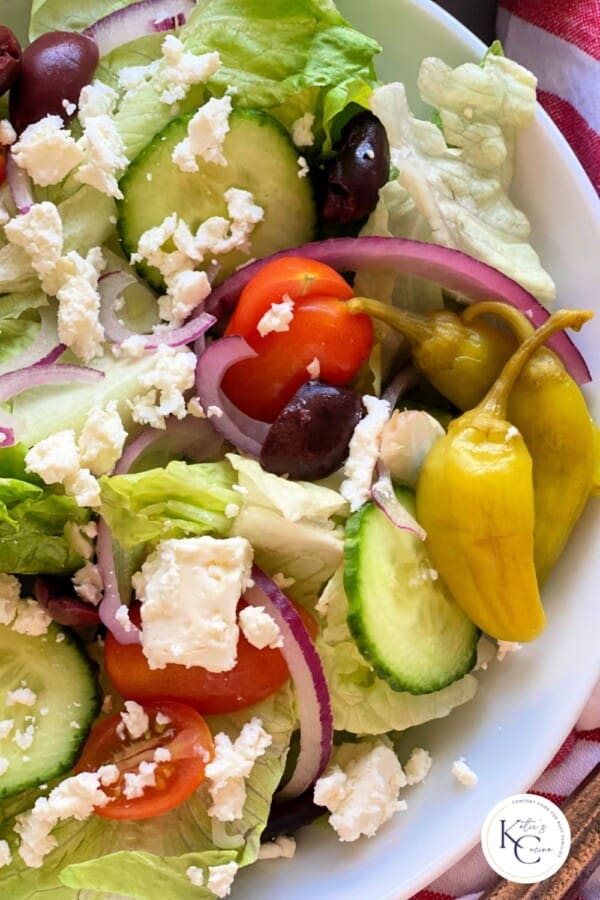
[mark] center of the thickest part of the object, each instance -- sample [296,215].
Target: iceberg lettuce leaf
[363,703]
[179,500]
[458,175]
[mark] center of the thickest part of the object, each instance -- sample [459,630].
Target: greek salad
[289,440]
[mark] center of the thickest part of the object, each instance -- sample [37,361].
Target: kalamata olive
[359,170]
[310,436]
[54,69]
[10,59]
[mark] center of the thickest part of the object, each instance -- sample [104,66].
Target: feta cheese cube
[189,590]
[47,151]
[364,795]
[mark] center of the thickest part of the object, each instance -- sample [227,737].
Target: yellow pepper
[460,361]
[548,408]
[475,500]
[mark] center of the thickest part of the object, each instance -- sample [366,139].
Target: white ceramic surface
[527,705]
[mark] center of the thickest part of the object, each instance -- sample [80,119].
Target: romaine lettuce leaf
[147,859]
[363,703]
[458,180]
[180,500]
[290,527]
[33,521]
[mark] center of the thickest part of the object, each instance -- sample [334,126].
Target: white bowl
[527,705]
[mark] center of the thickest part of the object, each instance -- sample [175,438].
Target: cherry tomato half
[256,675]
[180,729]
[321,328]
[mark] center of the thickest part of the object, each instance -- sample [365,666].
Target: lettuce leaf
[33,522]
[363,703]
[286,56]
[177,501]
[290,527]
[147,859]
[456,180]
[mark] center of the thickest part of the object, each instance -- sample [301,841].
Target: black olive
[359,170]
[54,69]
[10,59]
[310,436]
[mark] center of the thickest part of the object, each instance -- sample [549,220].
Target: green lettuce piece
[290,526]
[456,180]
[286,56]
[177,501]
[363,703]
[147,859]
[34,522]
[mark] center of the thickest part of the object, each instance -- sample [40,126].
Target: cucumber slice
[66,699]
[403,620]
[260,158]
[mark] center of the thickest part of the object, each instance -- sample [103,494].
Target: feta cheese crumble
[417,766]
[364,451]
[47,151]
[463,773]
[314,368]
[189,590]
[206,134]
[364,795]
[56,460]
[232,764]
[135,719]
[75,797]
[5,855]
[283,847]
[220,878]
[506,647]
[8,135]
[277,317]
[39,232]
[172,374]
[302,130]
[259,628]
[101,145]
[88,584]
[181,69]
[102,439]
[23,696]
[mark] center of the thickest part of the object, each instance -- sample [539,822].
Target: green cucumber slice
[260,158]
[401,615]
[62,680]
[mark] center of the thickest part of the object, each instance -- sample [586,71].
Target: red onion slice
[125,632]
[382,494]
[245,433]
[195,438]
[64,609]
[452,269]
[146,17]
[44,349]
[20,186]
[306,670]
[402,382]
[13,383]
[38,375]
[112,285]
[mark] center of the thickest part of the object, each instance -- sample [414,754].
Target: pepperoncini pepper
[475,500]
[548,408]
[460,361]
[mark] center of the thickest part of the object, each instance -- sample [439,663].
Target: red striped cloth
[575,759]
[559,40]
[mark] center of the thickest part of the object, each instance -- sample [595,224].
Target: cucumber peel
[401,615]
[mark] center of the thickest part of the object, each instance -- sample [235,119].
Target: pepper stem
[518,322]
[415,327]
[495,401]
